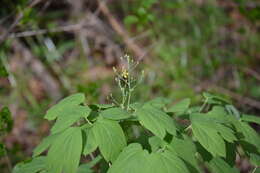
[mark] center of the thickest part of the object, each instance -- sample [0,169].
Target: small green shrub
[152,137]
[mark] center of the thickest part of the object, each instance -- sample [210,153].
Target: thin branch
[252,73]
[120,30]
[66,28]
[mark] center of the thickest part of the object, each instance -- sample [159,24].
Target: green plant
[144,137]
[6,125]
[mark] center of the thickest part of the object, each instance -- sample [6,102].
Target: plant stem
[254,169]
[204,104]
[187,128]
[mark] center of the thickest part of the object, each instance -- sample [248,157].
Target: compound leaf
[166,162]
[250,118]
[35,165]
[218,165]
[156,143]
[226,133]
[250,135]
[133,159]
[90,141]
[86,168]
[69,117]
[45,144]
[115,114]
[157,121]
[64,153]
[181,106]
[185,149]
[64,105]
[255,159]
[207,135]
[158,102]
[110,138]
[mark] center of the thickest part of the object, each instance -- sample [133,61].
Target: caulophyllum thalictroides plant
[150,137]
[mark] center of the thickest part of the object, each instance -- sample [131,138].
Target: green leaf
[250,118]
[6,121]
[181,106]
[35,165]
[219,114]
[69,117]
[218,165]
[205,132]
[110,138]
[3,71]
[231,154]
[214,99]
[130,19]
[115,114]
[64,105]
[90,143]
[257,170]
[158,102]
[226,133]
[2,150]
[136,105]
[233,111]
[156,143]
[104,106]
[157,121]
[86,168]
[250,135]
[206,156]
[64,153]
[255,159]
[44,145]
[133,159]
[185,149]
[166,162]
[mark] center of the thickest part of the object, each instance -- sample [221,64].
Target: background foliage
[50,49]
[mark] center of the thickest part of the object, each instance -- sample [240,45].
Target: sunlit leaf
[64,105]
[64,153]
[34,166]
[250,118]
[90,141]
[180,107]
[110,138]
[207,135]
[69,117]
[115,114]
[218,165]
[157,121]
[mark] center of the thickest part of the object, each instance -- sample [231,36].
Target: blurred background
[50,49]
